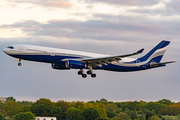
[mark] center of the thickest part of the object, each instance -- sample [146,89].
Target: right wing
[104,60]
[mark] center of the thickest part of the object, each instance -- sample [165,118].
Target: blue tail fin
[156,53]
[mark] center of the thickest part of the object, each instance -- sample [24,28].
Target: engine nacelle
[75,64]
[59,66]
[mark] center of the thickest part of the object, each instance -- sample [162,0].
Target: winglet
[140,51]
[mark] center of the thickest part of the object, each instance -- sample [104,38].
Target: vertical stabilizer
[156,53]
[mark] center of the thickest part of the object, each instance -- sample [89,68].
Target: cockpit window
[10,47]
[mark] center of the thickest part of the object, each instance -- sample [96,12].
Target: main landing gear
[19,64]
[89,72]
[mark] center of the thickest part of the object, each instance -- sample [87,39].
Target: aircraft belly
[43,58]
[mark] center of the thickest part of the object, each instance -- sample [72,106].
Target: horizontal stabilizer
[164,63]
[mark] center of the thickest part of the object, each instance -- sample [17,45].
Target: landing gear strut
[19,64]
[89,72]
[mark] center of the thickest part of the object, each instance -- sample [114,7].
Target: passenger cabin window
[10,47]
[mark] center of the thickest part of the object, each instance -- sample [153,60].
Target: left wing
[104,60]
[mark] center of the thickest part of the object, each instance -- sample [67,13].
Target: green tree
[57,112]
[103,100]
[171,110]
[111,107]
[165,101]
[134,105]
[142,117]
[64,107]
[118,110]
[111,114]
[101,119]
[101,108]
[123,116]
[91,114]
[133,115]
[10,99]
[147,113]
[25,109]
[1,105]
[166,117]
[46,102]
[155,106]
[1,116]
[40,110]
[25,116]
[91,102]
[74,114]
[78,105]
[12,107]
[114,118]
[25,103]
[120,105]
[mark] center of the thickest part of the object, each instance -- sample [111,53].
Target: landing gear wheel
[93,75]
[89,72]
[84,75]
[80,72]
[19,64]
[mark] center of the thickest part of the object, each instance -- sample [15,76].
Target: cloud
[107,27]
[55,4]
[128,2]
[44,3]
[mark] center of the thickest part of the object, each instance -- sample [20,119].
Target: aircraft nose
[5,51]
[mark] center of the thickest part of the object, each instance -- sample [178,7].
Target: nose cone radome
[5,50]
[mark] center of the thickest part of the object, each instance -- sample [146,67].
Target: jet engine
[75,64]
[59,66]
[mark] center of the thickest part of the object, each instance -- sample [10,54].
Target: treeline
[93,110]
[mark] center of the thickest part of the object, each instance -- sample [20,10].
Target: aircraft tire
[19,64]
[80,72]
[84,75]
[93,75]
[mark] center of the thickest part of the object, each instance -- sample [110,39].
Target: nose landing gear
[19,64]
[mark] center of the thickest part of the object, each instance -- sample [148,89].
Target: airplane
[63,59]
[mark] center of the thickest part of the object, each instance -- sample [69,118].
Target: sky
[113,27]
